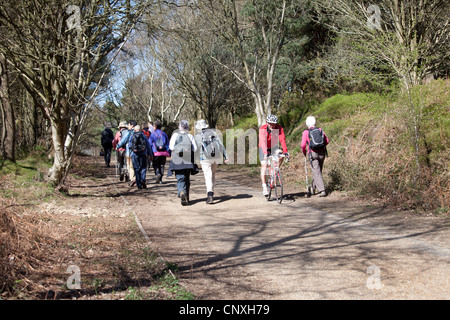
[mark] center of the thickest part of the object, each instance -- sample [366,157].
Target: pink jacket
[305,140]
[117,139]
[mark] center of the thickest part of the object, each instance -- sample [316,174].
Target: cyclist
[271,135]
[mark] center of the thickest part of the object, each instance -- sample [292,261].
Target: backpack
[210,144]
[316,139]
[159,143]
[138,143]
[182,145]
[107,136]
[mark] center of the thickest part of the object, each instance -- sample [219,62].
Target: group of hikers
[137,147]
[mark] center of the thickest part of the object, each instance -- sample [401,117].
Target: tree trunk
[8,138]
[56,172]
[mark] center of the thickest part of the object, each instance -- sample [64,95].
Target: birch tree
[256,32]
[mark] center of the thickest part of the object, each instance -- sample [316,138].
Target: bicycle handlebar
[281,155]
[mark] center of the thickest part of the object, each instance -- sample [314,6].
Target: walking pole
[308,192]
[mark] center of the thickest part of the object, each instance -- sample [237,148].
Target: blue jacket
[123,143]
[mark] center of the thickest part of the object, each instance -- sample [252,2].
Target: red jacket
[269,140]
[117,139]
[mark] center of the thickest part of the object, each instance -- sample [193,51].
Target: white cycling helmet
[272,118]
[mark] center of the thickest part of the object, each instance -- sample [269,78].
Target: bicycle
[275,180]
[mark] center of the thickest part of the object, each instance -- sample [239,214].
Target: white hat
[310,121]
[201,124]
[123,124]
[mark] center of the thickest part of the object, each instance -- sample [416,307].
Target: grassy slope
[371,150]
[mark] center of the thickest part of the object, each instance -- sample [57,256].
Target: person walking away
[271,135]
[106,141]
[212,153]
[314,143]
[159,142]
[121,151]
[125,143]
[183,146]
[140,150]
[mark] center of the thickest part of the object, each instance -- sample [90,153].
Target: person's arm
[327,141]
[304,143]
[263,139]
[194,143]
[172,141]
[123,141]
[283,141]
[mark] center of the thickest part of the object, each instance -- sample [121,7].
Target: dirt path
[243,247]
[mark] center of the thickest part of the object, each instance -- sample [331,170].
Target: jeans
[140,168]
[183,181]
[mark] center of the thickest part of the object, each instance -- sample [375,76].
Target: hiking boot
[308,193]
[121,177]
[209,198]
[184,199]
[133,183]
[323,194]
[158,178]
[144,185]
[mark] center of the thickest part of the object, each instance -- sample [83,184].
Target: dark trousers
[159,164]
[120,161]
[183,181]
[140,168]
[107,150]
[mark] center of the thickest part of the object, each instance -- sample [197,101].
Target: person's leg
[207,168]
[137,169]
[130,169]
[188,183]
[207,172]
[263,160]
[182,186]
[120,162]
[157,168]
[108,156]
[317,160]
[143,168]
[214,166]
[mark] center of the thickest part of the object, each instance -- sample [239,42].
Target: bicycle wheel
[278,186]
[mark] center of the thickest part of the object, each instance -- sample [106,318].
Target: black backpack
[107,137]
[210,144]
[138,143]
[316,139]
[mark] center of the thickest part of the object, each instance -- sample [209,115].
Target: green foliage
[371,151]
[28,171]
